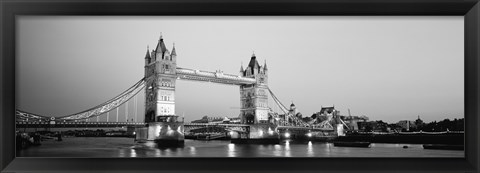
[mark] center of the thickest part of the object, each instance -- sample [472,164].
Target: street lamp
[287,135]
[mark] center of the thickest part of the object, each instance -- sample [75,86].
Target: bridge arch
[150,116]
[249,118]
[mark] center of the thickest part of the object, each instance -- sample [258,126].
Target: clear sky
[387,68]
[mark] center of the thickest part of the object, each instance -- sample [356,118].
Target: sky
[388,68]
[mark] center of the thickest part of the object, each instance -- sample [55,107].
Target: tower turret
[253,65]
[241,69]
[265,67]
[147,57]
[293,109]
[152,55]
[160,49]
[173,55]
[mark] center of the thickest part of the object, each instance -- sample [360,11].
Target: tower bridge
[160,120]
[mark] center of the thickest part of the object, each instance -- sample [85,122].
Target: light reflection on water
[125,147]
[327,148]
[287,149]
[121,153]
[192,151]
[231,150]
[133,153]
[310,152]
[277,150]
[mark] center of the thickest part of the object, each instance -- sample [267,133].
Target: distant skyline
[387,68]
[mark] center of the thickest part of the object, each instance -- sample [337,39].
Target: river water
[108,147]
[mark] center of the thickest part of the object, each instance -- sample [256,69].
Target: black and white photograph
[240,86]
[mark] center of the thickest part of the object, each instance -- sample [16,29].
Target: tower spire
[160,46]
[173,50]
[265,65]
[253,65]
[241,67]
[147,56]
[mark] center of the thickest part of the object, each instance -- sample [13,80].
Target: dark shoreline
[448,138]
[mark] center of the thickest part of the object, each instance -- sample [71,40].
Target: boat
[208,137]
[351,144]
[203,137]
[443,147]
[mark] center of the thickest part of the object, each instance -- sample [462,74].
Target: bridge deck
[215,124]
[246,125]
[75,124]
[216,77]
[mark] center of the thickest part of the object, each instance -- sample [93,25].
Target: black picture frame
[470,9]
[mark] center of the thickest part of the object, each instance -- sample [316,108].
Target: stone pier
[257,134]
[165,134]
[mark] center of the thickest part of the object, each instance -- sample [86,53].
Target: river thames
[108,147]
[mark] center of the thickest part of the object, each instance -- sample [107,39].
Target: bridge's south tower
[254,97]
[254,106]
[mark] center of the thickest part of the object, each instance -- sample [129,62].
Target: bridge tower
[254,98]
[160,77]
[254,105]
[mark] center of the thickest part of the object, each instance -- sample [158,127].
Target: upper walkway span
[216,77]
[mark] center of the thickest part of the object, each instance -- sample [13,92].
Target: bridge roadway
[215,77]
[76,124]
[292,132]
[190,126]
[187,126]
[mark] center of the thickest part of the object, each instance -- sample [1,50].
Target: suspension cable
[100,109]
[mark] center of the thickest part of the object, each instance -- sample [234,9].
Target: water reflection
[168,152]
[277,150]
[287,149]
[231,150]
[126,147]
[310,152]
[133,153]
[193,151]
[121,153]
[171,152]
[327,149]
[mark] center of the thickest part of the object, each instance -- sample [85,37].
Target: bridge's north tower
[160,77]
[254,97]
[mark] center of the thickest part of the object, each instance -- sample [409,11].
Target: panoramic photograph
[233,86]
